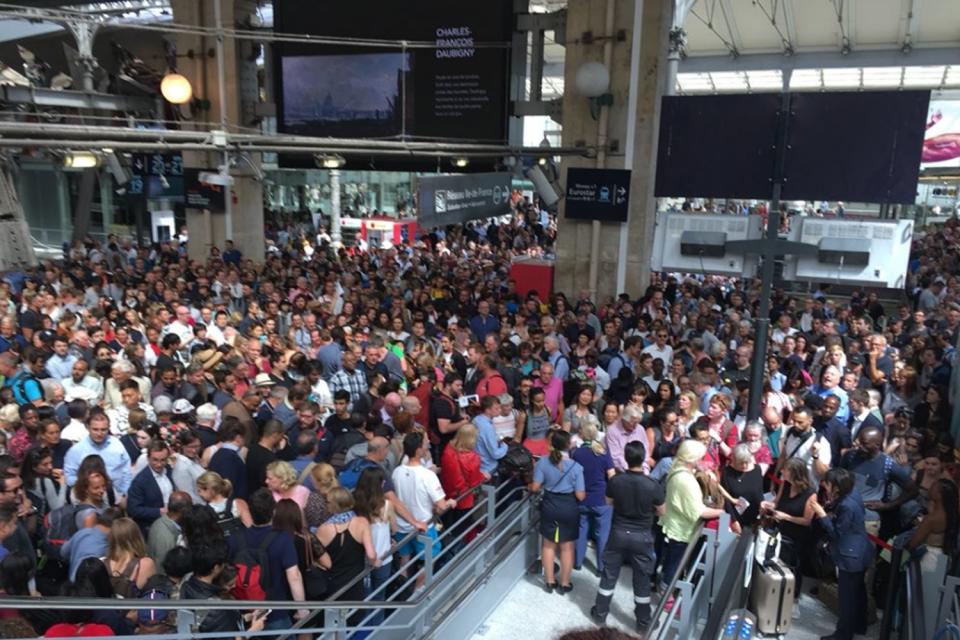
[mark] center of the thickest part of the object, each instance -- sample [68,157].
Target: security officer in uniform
[635,498]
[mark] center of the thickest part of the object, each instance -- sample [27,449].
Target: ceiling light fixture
[176,88]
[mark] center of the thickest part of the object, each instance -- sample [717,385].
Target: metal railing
[708,579]
[732,591]
[444,586]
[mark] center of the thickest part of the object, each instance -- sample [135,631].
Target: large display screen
[456,87]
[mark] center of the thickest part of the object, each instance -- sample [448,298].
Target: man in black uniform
[635,499]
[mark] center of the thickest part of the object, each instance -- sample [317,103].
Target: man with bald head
[773,422]
[182,327]
[378,455]
[874,471]
[391,405]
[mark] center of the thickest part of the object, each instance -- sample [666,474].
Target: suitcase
[772,596]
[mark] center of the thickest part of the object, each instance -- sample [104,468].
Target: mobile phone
[260,613]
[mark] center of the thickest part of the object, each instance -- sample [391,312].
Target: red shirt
[492,385]
[459,471]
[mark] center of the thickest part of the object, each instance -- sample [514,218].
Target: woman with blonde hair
[217,491]
[596,516]
[281,479]
[688,411]
[324,478]
[126,559]
[460,472]
[683,508]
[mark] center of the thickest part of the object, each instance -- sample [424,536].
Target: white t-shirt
[802,452]
[665,354]
[418,489]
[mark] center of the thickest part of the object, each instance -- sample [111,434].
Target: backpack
[20,388]
[125,582]
[82,630]
[605,357]
[342,444]
[350,474]
[518,461]
[253,568]
[58,527]
[229,523]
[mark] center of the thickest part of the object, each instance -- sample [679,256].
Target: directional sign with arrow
[598,194]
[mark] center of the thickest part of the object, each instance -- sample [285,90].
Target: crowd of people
[175,428]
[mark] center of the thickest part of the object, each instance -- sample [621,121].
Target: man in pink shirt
[552,391]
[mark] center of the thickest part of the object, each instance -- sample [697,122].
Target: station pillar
[638,79]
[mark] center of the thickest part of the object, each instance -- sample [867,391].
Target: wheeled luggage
[772,596]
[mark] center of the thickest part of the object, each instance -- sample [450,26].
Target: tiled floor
[529,613]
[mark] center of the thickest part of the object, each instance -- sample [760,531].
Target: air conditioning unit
[696,243]
[855,252]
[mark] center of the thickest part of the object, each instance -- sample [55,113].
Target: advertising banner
[454,199]
[941,144]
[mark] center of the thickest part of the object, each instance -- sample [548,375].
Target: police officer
[635,499]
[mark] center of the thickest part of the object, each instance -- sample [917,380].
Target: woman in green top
[683,508]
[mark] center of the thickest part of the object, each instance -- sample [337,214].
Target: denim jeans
[672,555]
[594,522]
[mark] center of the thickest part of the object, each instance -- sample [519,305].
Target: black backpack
[341,444]
[229,523]
[58,527]
[518,462]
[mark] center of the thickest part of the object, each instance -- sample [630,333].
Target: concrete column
[573,246]
[246,195]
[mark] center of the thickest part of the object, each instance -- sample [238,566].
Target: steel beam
[823,59]
[42,97]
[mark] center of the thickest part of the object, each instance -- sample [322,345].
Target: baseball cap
[182,406]
[163,404]
[149,617]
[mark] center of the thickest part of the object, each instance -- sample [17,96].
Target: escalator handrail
[684,561]
[720,608]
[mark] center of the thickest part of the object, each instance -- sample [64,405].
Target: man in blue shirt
[489,448]
[626,358]
[90,541]
[286,581]
[483,323]
[60,363]
[110,449]
[24,386]
[873,473]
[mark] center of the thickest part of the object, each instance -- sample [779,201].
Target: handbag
[767,547]
[316,579]
[823,565]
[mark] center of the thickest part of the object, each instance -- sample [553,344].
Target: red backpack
[253,568]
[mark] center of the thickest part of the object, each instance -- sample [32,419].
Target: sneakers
[668,607]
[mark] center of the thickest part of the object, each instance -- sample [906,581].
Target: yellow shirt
[683,506]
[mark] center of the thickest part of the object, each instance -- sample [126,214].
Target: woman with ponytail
[563,487]
[595,514]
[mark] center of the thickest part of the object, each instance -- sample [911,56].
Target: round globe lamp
[176,89]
